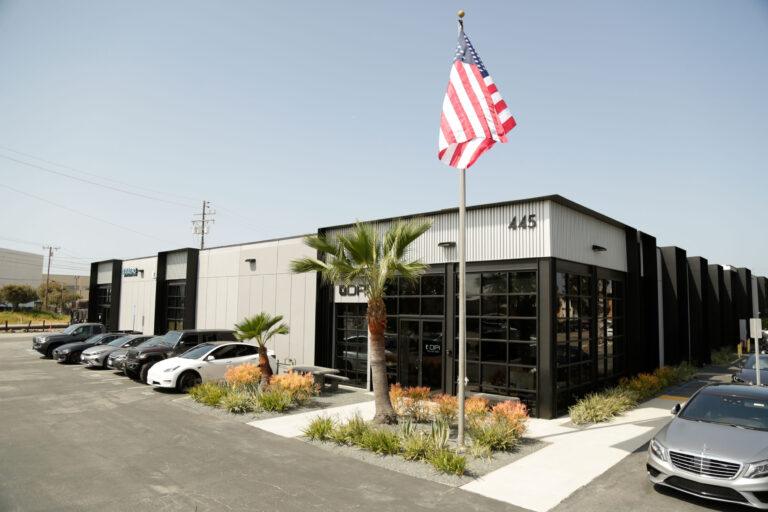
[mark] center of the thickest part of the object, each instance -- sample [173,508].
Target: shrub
[723,356]
[275,400]
[447,408]
[643,385]
[514,413]
[418,392]
[439,435]
[495,433]
[300,387]
[416,446]
[412,401]
[598,407]
[475,406]
[448,462]
[208,393]
[236,401]
[320,429]
[480,451]
[350,432]
[244,375]
[381,441]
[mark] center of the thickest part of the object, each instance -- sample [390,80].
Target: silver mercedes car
[96,357]
[716,447]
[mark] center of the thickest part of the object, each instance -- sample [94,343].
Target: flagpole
[462,302]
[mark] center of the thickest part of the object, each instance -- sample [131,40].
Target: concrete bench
[333,381]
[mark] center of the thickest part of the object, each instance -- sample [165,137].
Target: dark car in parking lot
[47,343]
[70,352]
[96,357]
[747,373]
[140,359]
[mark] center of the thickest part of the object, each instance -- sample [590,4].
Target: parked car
[716,446]
[203,363]
[97,356]
[747,373]
[46,343]
[70,352]
[139,360]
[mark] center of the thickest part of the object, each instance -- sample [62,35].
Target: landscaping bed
[423,442]
[290,393]
[628,394]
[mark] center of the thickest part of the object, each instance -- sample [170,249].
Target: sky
[289,116]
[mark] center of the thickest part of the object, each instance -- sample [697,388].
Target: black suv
[140,359]
[46,343]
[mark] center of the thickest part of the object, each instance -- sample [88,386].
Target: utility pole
[50,250]
[200,226]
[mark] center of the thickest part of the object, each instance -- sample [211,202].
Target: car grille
[705,490]
[704,466]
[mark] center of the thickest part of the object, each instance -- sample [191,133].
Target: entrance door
[421,353]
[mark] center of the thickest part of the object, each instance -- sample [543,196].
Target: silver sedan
[716,447]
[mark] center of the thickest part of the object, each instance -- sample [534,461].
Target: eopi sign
[349,294]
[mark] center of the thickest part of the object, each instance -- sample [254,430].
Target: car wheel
[186,380]
[74,357]
[104,363]
[49,352]
[143,373]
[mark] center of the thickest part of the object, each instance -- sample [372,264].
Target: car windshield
[197,352]
[70,329]
[157,341]
[118,341]
[750,364]
[736,411]
[171,337]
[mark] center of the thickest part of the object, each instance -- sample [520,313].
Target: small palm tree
[363,258]
[261,328]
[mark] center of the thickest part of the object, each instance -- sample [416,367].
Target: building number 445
[526,222]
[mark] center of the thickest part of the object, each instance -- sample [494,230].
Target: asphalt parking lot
[75,439]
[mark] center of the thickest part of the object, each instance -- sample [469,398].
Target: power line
[83,214]
[109,187]
[105,178]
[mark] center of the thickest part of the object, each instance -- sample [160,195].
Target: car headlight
[141,356]
[757,469]
[736,378]
[96,352]
[42,339]
[64,351]
[658,449]
[171,369]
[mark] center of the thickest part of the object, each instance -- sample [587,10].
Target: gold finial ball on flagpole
[460,14]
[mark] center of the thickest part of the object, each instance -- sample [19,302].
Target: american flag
[474,117]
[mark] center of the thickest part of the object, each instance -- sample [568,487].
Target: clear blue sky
[303,114]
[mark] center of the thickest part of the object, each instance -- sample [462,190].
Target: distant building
[74,284]
[18,267]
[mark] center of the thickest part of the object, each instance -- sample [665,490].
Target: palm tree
[362,258]
[261,328]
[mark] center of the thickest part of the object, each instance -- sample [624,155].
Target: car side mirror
[676,409]
[210,358]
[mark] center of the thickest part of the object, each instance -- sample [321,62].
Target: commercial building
[561,300]
[19,267]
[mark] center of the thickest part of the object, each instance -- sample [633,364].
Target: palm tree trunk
[377,323]
[266,370]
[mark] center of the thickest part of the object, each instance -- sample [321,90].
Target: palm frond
[303,265]
[361,244]
[260,327]
[322,244]
[407,232]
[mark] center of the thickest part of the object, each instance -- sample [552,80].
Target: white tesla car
[203,363]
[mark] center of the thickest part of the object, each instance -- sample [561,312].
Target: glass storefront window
[502,322]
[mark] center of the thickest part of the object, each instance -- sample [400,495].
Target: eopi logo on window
[350,293]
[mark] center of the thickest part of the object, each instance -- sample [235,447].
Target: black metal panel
[117,279]
[762,296]
[649,302]
[92,314]
[190,301]
[729,307]
[635,327]
[714,306]
[674,278]
[698,293]
[744,294]
[324,324]
[546,370]
[161,292]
